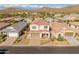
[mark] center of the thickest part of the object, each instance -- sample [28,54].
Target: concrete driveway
[34,42]
[73,41]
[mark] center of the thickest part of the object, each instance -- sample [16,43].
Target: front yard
[77,37]
[64,42]
[22,40]
[2,37]
[54,42]
[44,41]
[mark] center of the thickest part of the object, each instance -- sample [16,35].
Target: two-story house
[39,28]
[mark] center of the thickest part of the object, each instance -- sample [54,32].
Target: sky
[33,6]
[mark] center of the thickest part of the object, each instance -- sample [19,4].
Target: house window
[45,27]
[33,27]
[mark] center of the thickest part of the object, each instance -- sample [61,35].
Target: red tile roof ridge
[40,22]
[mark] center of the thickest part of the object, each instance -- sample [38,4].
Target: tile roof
[72,15]
[40,22]
[58,27]
[3,25]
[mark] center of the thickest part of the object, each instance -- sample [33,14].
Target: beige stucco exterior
[38,28]
[62,33]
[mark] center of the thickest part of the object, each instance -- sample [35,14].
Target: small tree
[2,37]
[60,38]
[13,21]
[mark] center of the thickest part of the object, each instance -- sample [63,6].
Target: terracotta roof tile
[2,25]
[40,22]
[57,26]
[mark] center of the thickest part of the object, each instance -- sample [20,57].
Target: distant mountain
[13,10]
[74,8]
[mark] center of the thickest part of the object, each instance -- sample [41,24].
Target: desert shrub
[52,38]
[60,38]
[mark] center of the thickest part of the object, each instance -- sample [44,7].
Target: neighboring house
[73,26]
[7,19]
[62,29]
[39,28]
[3,26]
[15,29]
[18,18]
[37,18]
[58,16]
[34,13]
[29,20]
[71,17]
[49,19]
[26,12]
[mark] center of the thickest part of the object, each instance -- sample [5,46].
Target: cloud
[36,6]
[9,5]
[32,5]
[14,5]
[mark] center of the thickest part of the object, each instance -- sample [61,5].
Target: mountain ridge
[74,8]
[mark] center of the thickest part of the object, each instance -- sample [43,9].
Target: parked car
[4,51]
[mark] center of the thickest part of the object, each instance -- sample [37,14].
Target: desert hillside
[74,8]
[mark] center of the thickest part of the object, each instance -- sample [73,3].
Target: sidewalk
[73,41]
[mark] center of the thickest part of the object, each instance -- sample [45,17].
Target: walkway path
[73,41]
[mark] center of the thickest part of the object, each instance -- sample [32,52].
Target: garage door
[69,34]
[35,35]
[13,35]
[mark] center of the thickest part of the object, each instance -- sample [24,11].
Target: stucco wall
[39,27]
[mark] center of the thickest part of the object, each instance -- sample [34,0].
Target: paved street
[73,41]
[9,41]
[43,50]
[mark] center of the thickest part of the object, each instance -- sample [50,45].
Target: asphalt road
[42,50]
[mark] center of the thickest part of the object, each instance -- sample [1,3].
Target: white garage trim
[13,34]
